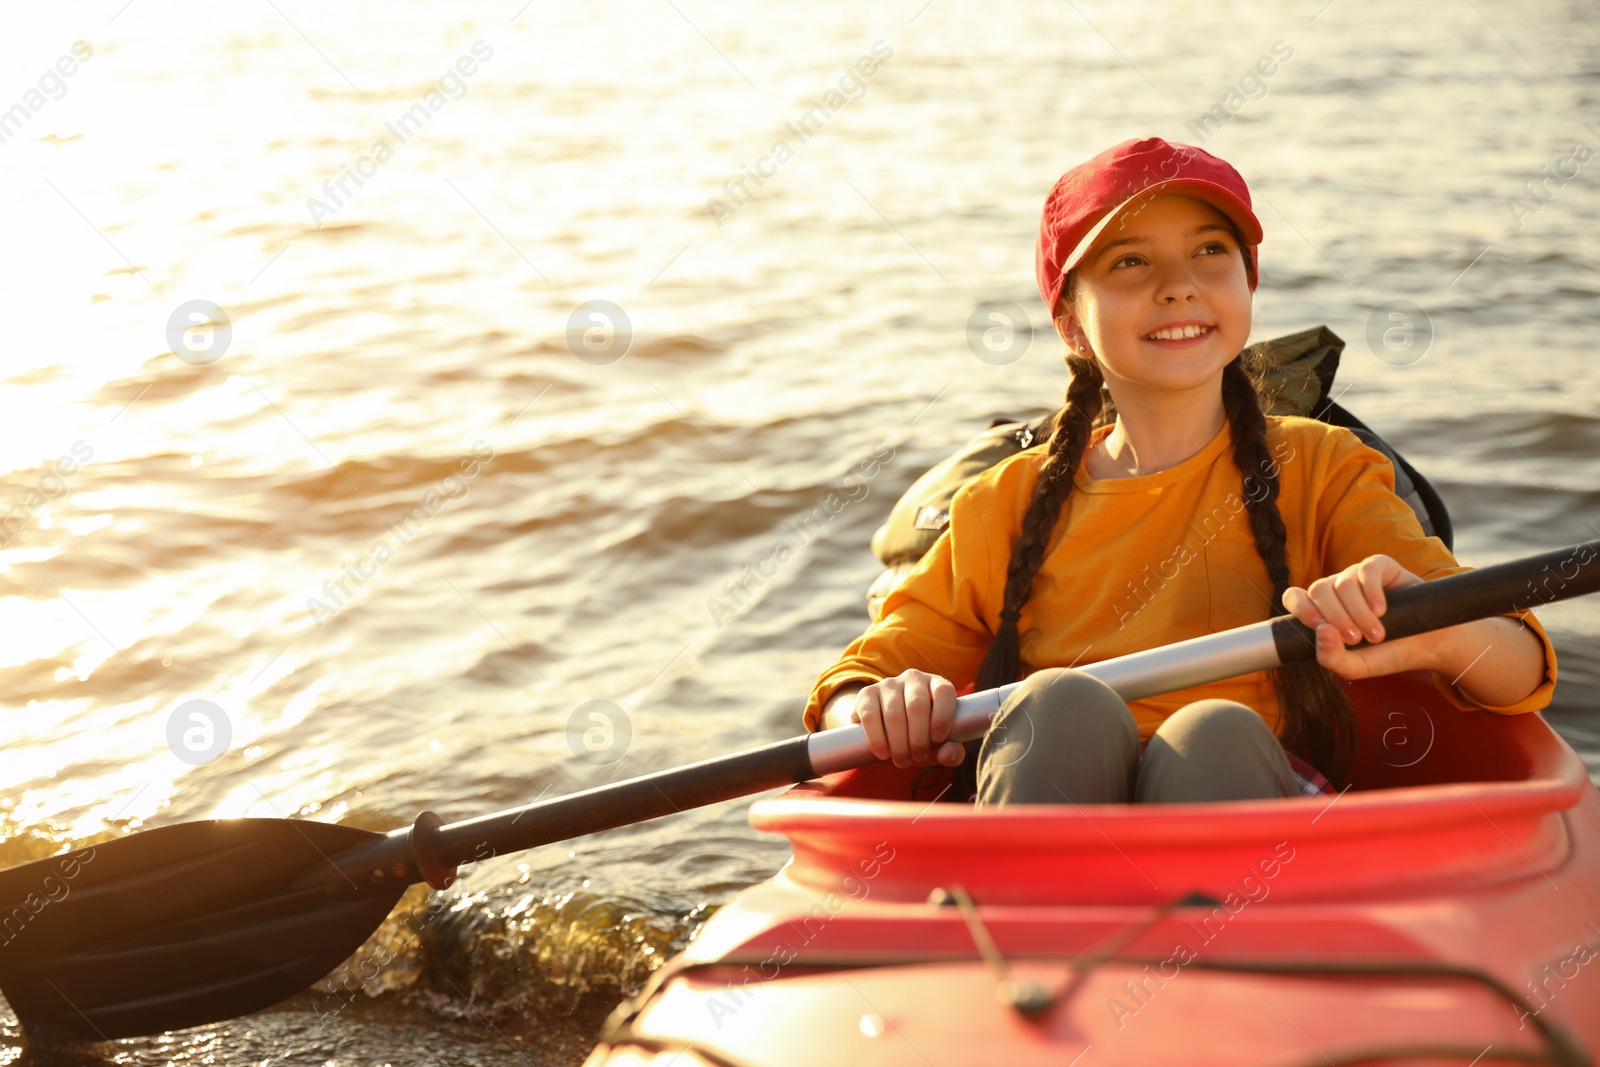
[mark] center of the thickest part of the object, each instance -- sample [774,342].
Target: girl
[1190,513]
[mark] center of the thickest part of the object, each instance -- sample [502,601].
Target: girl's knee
[1055,710]
[1068,696]
[1214,750]
[1065,687]
[1205,719]
[1061,734]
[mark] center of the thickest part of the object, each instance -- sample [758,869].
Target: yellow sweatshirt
[1135,563]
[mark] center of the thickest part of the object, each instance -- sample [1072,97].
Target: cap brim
[1212,193]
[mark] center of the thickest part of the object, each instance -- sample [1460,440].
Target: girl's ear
[1070,332]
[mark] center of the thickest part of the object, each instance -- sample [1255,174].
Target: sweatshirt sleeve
[936,620]
[1359,515]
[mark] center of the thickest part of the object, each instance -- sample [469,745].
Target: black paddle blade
[181,925]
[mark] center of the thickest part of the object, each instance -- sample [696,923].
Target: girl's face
[1161,300]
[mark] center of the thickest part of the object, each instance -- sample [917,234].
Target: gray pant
[1064,736]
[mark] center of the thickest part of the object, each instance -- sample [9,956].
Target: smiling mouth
[1178,333]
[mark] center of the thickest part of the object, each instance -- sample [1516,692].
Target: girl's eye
[1216,247]
[1133,260]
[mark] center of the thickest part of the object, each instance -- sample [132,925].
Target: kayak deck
[1121,1014]
[1449,899]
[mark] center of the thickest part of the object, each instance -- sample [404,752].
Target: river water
[422,531]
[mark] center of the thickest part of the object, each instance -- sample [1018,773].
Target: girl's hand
[908,719]
[1344,608]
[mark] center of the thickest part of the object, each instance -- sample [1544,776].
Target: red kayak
[1445,909]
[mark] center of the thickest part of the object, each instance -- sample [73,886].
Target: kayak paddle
[197,922]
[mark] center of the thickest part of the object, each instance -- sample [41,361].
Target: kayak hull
[1447,904]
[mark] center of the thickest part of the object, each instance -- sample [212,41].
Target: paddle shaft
[1506,587]
[647,797]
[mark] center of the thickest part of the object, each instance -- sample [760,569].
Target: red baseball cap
[1091,195]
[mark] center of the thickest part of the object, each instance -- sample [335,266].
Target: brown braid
[1317,722]
[1069,441]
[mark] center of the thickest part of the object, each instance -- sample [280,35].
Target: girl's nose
[1175,283]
